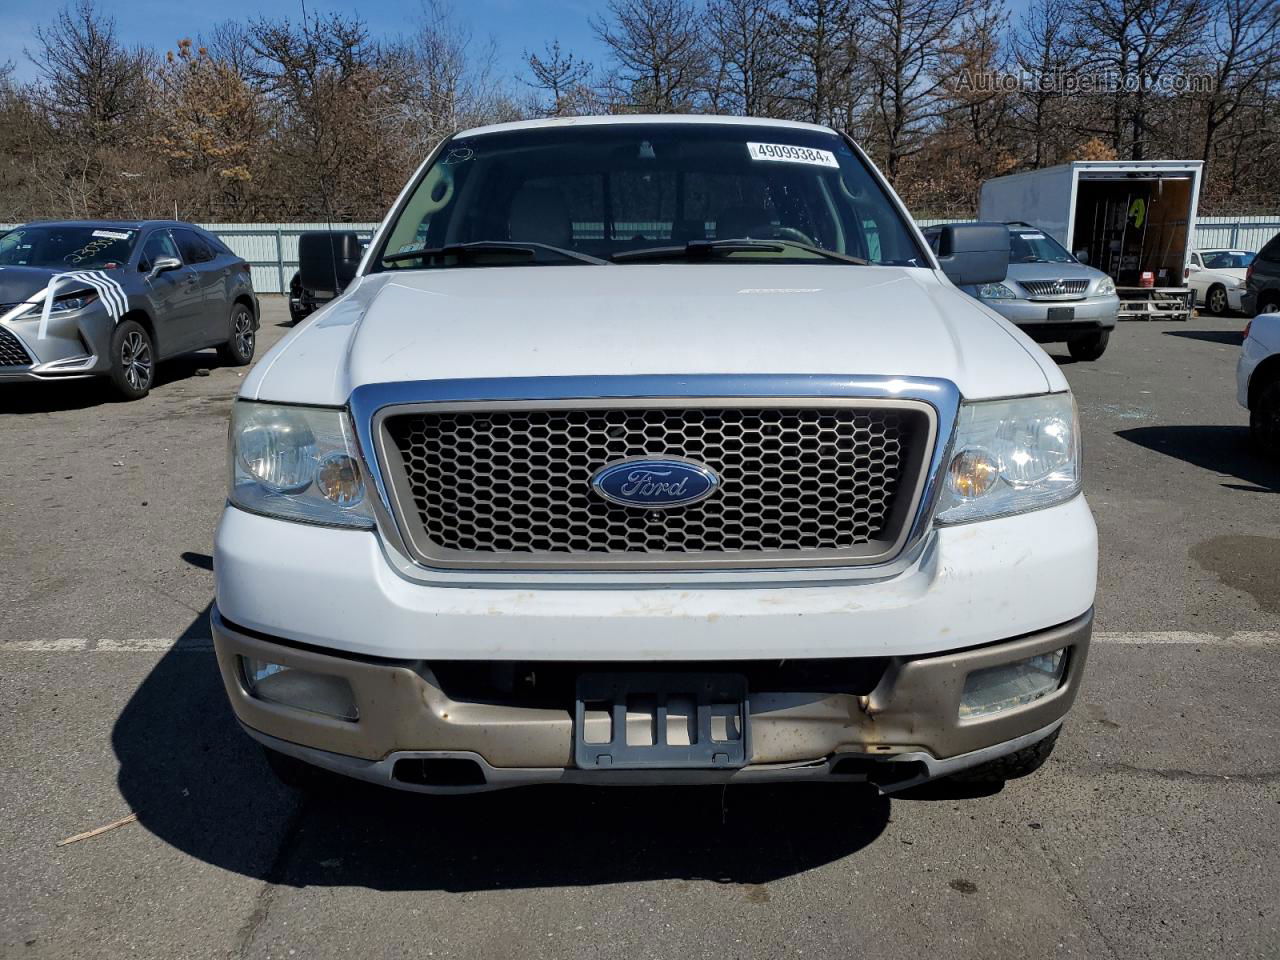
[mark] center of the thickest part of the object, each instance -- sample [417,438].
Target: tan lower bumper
[913,710]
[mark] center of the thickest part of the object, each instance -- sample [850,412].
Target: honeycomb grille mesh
[520,481]
[11,352]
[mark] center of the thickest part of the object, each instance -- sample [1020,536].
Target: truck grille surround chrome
[495,474]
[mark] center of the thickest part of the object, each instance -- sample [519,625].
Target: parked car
[1049,294]
[670,455]
[1216,278]
[1262,280]
[113,298]
[1258,381]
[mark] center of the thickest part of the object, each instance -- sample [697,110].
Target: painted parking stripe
[1240,638]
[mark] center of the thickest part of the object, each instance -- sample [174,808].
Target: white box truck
[1132,219]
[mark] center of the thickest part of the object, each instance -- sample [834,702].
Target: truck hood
[725,318]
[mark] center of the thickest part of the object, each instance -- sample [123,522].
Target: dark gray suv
[111,298]
[1262,281]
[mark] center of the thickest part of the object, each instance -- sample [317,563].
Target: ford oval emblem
[654,483]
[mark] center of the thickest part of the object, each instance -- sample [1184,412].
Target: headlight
[297,463]
[1011,456]
[1106,287]
[996,291]
[71,301]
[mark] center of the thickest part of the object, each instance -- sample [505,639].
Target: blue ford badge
[654,483]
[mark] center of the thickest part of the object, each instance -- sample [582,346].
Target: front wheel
[238,351]
[1264,420]
[1089,347]
[133,360]
[1216,300]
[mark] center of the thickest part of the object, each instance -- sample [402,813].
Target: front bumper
[1032,316]
[905,731]
[75,344]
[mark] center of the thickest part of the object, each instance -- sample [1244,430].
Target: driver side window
[159,244]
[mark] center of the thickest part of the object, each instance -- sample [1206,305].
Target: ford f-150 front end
[653,450]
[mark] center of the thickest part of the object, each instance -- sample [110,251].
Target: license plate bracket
[630,720]
[1060,314]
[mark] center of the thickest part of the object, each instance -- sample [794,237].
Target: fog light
[994,689]
[301,689]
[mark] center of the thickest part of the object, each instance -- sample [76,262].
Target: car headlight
[996,291]
[1011,456]
[1106,287]
[65,303]
[297,463]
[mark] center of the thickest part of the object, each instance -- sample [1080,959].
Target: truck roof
[633,118]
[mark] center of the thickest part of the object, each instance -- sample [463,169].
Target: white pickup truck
[655,450]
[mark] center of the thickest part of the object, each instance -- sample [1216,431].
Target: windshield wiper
[526,250]
[705,249]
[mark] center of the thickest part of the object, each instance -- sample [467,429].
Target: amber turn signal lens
[973,473]
[338,478]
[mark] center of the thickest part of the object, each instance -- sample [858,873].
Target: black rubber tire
[238,351]
[1268,303]
[1264,420]
[294,773]
[133,360]
[1023,763]
[1091,346]
[1215,300]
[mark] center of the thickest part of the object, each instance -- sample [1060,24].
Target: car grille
[1054,289]
[12,353]
[835,482]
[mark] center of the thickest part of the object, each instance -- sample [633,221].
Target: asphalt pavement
[1154,831]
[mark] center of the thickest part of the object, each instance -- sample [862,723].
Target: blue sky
[514,24]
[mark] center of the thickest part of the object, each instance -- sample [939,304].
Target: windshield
[1227,260]
[67,248]
[570,194]
[1033,246]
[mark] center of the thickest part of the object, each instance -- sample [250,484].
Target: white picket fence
[272,248]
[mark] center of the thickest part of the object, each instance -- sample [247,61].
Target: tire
[133,360]
[296,774]
[1020,764]
[1264,420]
[1268,305]
[1215,301]
[1090,346]
[238,351]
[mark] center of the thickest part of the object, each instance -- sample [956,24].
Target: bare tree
[748,54]
[662,62]
[1140,44]
[1045,56]
[906,43]
[819,51]
[1243,48]
[561,76]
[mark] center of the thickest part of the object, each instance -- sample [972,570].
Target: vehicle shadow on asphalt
[1231,338]
[53,396]
[199,783]
[1218,449]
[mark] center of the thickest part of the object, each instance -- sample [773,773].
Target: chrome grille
[835,481]
[12,353]
[1054,289]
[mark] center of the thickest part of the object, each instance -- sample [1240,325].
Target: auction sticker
[113,234]
[786,153]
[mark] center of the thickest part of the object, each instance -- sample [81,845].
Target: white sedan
[1217,278]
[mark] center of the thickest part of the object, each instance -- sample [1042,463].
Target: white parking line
[1240,638]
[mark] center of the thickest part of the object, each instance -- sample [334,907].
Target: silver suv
[1049,294]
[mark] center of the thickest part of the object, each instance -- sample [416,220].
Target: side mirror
[972,254]
[161,264]
[1192,268]
[328,260]
[1082,256]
